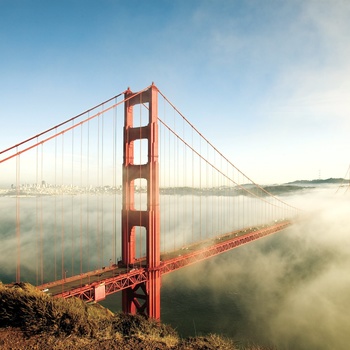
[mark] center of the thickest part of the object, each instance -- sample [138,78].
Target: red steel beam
[220,245]
[137,278]
[111,284]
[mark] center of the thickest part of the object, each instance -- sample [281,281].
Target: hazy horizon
[265,82]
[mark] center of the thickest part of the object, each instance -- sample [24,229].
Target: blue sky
[267,82]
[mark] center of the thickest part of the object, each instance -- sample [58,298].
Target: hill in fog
[331,180]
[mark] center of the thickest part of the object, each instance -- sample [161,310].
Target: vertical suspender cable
[81,202]
[18,221]
[193,190]
[219,197]
[228,201]
[184,183]
[138,231]
[88,196]
[55,211]
[171,194]
[142,234]
[200,189]
[240,201]
[41,217]
[98,197]
[161,184]
[37,217]
[213,209]
[102,186]
[207,172]
[117,244]
[171,226]
[63,271]
[176,178]
[172,198]
[72,205]
[114,184]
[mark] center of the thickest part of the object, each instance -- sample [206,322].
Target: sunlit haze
[261,90]
[266,82]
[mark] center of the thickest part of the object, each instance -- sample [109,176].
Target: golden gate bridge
[117,196]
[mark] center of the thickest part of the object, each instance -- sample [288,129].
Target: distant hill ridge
[331,180]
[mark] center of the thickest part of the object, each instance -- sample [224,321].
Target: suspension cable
[226,159]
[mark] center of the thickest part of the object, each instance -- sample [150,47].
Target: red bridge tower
[145,297]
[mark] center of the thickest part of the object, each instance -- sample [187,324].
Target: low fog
[59,235]
[290,290]
[65,235]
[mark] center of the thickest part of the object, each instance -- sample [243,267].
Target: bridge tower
[144,298]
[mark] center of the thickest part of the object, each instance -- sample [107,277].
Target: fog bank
[290,290]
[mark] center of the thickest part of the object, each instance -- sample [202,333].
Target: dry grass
[72,322]
[25,307]
[209,342]
[30,319]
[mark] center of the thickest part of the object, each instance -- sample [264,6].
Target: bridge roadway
[96,285]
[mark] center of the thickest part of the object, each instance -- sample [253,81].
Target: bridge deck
[96,285]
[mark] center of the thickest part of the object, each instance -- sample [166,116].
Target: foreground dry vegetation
[30,319]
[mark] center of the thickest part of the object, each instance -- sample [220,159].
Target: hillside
[320,181]
[30,319]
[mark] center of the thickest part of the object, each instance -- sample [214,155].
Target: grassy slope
[30,319]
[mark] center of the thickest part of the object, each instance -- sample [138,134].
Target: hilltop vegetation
[30,319]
